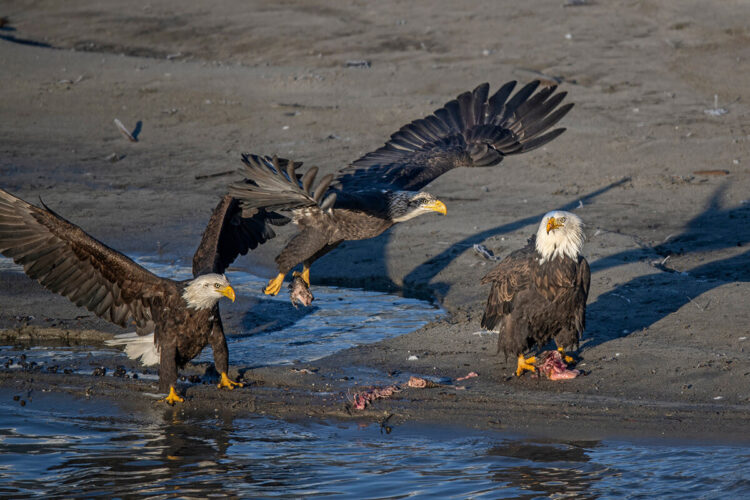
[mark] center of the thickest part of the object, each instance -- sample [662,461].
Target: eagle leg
[568,359]
[525,364]
[172,398]
[305,274]
[274,286]
[228,383]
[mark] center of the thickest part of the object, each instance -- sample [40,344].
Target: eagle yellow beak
[437,206]
[553,223]
[227,291]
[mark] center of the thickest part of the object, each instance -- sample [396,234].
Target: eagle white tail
[138,346]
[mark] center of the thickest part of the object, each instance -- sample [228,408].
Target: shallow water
[272,331]
[55,446]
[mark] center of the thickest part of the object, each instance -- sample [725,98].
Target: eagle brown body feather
[473,130]
[531,303]
[66,260]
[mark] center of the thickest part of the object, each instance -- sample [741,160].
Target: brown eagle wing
[513,274]
[229,234]
[272,183]
[471,130]
[66,260]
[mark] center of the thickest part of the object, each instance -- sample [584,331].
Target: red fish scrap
[360,400]
[551,365]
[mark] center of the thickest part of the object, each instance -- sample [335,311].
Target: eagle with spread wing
[384,187]
[174,320]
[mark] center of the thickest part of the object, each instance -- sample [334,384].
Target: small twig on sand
[217,174]
[125,131]
[700,308]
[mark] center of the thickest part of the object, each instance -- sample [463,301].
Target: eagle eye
[216,285]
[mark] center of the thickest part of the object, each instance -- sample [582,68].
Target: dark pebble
[135,376]
[23,403]
[119,371]
[16,398]
[100,372]
[67,371]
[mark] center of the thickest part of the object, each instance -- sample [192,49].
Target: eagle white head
[405,205]
[560,234]
[205,291]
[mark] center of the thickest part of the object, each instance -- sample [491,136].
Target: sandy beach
[655,160]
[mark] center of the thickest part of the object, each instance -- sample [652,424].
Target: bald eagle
[539,292]
[177,319]
[383,187]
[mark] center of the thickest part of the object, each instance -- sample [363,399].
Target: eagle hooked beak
[228,292]
[553,223]
[437,206]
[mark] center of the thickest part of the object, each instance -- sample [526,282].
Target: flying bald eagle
[383,187]
[539,292]
[176,318]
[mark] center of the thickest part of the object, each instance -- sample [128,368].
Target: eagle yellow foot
[565,357]
[226,382]
[274,286]
[172,398]
[305,274]
[525,364]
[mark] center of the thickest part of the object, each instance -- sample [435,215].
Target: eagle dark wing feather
[272,184]
[66,260]
[229,234]
[508,278]
[471,130]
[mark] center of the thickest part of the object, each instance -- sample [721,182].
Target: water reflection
[552,470]
[59,446]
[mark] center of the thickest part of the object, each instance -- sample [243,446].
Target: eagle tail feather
[138,346]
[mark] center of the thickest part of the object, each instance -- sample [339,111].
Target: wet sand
[652,163]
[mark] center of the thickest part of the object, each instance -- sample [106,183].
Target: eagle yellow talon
[566,358]
[172,398]
[305,274]
[274,286]
[525,364]
[228,383]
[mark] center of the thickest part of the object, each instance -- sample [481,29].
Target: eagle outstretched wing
[66,260]
[273,184]
[471,130]
[229,234]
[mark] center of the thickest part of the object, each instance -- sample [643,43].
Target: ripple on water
[56,446]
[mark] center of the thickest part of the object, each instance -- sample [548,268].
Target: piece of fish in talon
[300,292]
[552,365]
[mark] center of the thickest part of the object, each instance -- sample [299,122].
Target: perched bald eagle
[176,318]
[383,187]
[539,292]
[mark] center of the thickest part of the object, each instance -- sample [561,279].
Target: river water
[58,446]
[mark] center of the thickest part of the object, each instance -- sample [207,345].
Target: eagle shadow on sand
[418,283]
[645,300]
[270,315]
